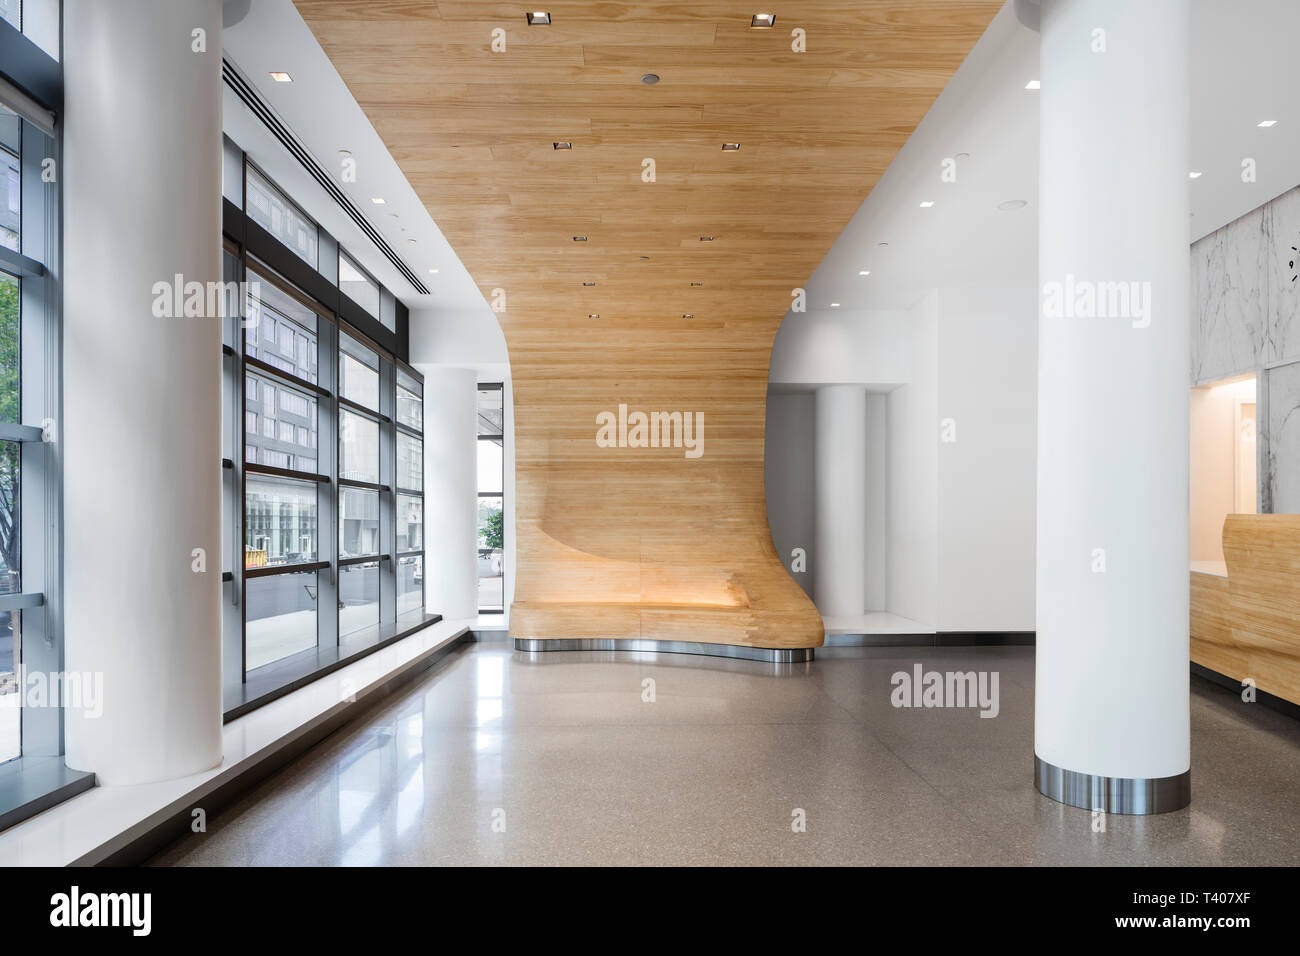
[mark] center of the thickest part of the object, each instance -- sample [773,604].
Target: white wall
[788,476]
[950,539]
[446,341]
[912,474]
[987,377]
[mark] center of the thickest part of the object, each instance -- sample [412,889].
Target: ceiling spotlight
[730,147]
[539,19]
[433,272]
[706,238]
[688,315]
[1267,123]
[589,283]
[377,200]
[1011,204]
[579,238]
[281,77]
[562,145]
[697,283]
[1193,175]
[345,152]
[594,315]
[864,272]
[650,79]
[411,241]
[1033,85]
[962,156]
[835,305]
[762,21]
[643,258]
[882,245]
[927,203]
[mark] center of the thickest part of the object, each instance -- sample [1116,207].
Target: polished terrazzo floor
[494,757]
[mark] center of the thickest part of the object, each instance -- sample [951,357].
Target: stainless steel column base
[767,655]
[1135,795]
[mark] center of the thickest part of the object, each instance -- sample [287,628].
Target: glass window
[11,180]
[282,331]
[10,348]
[279,521]
[358,522]
[410,523]
[270,209]
[12,11]
[491,575]
[410,583]
[489,465]
[356,285]
[284,411]
[10,518]
[281,617]
[358,447]
[358,597]
[410,408]
[410,462]
[491,420]
[358,372]
[11,741]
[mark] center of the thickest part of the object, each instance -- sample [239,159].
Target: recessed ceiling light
[1033,85]
[1193,175]
[433,272]
[579,238]
[377,200]
[643,258]
[594,315]
[697,283]
[281,77]
[562,145]
[345,152]
[688,315]
[730,147]
[962,156]
[706,238]
[882,245]
[650,79]
[411,241]
[762,21]
[927,203]
[835,305]
[589,283]
[539,19]
[864,272]
[1267,123]
[1010,204]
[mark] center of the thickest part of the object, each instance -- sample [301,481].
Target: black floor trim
[1271,701]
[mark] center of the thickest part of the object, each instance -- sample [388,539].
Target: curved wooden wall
[645,542]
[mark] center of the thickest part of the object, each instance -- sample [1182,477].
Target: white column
[1111,709]
[142,394]
[840,475]
[451,491]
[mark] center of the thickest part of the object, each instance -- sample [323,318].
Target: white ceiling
[1244,69]
[319,109]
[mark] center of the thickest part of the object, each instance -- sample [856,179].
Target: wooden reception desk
[1246,622]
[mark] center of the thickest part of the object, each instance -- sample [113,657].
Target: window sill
[270,681]
[31,785]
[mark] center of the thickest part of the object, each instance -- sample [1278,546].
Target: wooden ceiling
[473,130]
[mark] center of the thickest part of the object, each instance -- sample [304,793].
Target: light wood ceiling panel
[645,542]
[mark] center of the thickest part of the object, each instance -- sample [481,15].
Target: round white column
[141,394]
[1111,701]
[840,476]
[451,492]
